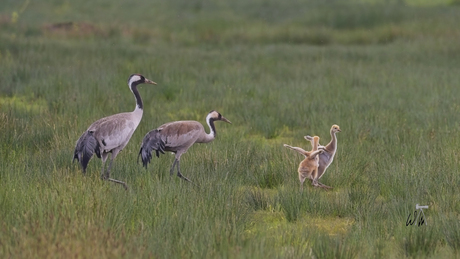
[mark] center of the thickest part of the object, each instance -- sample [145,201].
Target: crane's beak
[224,119]
[148,81]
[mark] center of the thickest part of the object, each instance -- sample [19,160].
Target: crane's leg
[171,171]
[314,174]
[302,179]
[179,174]
[106,176]
[314,183]
[104,159]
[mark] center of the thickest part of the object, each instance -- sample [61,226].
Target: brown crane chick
[326,158]
[308,168]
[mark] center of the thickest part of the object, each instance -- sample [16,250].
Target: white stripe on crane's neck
[210,120]
[133,81]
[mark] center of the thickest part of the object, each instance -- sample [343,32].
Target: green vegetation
[385,71]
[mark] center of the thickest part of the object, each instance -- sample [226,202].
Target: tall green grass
[384,71]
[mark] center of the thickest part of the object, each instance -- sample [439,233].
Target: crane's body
[326,158]
[111,134]
[308,168]
[178,137]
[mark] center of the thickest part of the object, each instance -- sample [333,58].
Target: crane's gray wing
[86,146]
[152,141]
[114,132]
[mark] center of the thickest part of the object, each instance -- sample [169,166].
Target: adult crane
[178,137]
[111,134]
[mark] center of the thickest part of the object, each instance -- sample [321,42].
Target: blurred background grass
[385,71]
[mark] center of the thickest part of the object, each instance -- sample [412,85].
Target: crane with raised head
[111,134]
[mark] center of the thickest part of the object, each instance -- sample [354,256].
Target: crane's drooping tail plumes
[152,141]
[86,146]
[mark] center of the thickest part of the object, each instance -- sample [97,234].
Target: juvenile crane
[177,137]
[112,133]
[326,158]
[308,168]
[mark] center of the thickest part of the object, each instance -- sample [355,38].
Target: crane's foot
[323,186]
[119,182]
[107,178]
[183,177]
[315,183]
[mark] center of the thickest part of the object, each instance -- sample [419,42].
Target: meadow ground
[385,71]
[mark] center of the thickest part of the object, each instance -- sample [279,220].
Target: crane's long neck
[212,134]
[332,146]
[315,144]
[139,104]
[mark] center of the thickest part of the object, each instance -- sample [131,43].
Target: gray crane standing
[111,134]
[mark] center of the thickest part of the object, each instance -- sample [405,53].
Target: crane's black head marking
[216,116]
[136,78]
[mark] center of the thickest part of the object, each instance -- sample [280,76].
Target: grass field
[387,72]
